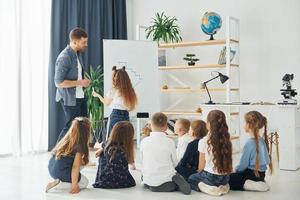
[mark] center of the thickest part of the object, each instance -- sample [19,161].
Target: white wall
[269,43]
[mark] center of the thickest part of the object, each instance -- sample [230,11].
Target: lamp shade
[223,78]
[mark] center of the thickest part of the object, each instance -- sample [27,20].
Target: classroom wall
[269,37]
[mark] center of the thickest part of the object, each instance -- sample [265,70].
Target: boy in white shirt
[158,159]
[182,127]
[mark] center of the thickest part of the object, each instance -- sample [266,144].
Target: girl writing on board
[121,98]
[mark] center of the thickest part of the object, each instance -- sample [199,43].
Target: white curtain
[24,53]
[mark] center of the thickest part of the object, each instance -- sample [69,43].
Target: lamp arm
[207,91]
[211,79]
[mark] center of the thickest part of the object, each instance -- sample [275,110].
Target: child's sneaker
[224,189]
[258,186]
[52,185]
[183,186]
[208,189]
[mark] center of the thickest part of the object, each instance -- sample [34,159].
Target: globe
[211,23]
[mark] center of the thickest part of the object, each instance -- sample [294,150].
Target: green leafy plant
[164,28]
[95,107]
[191,59]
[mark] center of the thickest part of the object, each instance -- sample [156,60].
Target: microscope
[287,91]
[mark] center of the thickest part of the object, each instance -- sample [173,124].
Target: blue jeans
[115,117]
[71,112]
[207,178]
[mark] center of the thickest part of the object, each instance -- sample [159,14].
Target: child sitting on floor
[215,159]
[188,165]
[181,128]
[114,158]
[158,159]
[250,173]
[69,155]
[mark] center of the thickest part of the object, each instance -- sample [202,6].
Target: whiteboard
[141,61]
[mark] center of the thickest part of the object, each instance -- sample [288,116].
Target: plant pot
[191,63]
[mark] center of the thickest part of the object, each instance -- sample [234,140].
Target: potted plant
[191,58]
[94,106]
[164,29]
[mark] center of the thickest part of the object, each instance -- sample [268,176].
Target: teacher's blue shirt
[66,68]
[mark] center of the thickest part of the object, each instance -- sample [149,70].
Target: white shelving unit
[231,41]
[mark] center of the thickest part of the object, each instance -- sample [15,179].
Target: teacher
[69,79]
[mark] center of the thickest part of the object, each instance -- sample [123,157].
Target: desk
[289,137]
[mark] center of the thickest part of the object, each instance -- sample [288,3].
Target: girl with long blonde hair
[68,157]
[256,157]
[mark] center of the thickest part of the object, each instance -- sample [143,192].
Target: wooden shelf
[199,43]
[195,66]
[197,90]
[182,113]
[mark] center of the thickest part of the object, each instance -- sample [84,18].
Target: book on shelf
[222,57]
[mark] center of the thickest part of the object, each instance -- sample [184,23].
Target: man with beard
[69,79]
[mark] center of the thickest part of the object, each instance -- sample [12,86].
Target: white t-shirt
[203,148]
[182,144]
[79,90]
[158,159]
[117,100]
